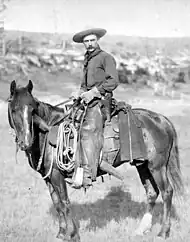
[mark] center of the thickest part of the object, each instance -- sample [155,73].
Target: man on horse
[100,79]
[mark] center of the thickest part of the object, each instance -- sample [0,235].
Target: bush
[123,75]
[181,77]
[141,71]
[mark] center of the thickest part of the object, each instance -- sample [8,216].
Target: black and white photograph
[94,120]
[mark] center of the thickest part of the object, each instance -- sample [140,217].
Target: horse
[26,115]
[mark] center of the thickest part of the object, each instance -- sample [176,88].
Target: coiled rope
[64,149]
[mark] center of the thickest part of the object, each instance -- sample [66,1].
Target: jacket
[100,72]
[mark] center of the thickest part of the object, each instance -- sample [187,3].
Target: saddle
[75,118]
[122,132]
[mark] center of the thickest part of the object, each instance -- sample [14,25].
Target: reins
[64,102]
[63,149]
[65,131]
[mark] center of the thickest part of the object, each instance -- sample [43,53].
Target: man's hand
[89,95]
[76,94]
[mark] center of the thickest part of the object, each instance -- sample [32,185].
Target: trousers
[91,142]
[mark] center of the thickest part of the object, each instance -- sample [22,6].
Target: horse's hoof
[67,238]
[61,236]
[145,225]
[76,238]
[139,232]
[164,234]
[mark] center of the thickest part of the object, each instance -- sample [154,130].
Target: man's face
[90,42]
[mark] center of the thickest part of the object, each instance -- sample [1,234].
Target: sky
[150,18]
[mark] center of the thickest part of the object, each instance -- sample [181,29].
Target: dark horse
[160,139]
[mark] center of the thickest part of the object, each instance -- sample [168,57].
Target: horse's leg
[68,229]
[152,193]
[167,194]
[160,177]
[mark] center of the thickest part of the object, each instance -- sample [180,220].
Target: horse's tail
[174,168]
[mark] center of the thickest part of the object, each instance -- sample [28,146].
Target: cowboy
[100,79]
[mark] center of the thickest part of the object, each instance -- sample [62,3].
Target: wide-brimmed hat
[78,37]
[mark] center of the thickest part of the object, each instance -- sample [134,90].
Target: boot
[81,178]
[88,150]
[87,178]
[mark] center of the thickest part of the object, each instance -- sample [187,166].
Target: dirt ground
[110,211]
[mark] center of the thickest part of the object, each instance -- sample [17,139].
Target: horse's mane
[45,110]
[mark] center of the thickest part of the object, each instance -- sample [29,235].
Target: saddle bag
[132,144]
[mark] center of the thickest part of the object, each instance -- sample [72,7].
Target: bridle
[73,107]
[17,141]
[12,124]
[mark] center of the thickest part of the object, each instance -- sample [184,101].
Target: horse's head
[22,105]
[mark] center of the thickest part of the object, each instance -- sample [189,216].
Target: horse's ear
[12,87]
[30,86]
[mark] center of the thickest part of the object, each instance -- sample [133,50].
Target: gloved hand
[89,95]
[76,94]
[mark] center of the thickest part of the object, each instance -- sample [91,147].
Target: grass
[110,211]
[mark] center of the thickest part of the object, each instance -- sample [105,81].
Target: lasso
[64,151]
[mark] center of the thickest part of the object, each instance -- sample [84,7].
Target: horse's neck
[50,114]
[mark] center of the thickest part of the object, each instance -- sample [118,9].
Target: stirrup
[72,183]
[77,180]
